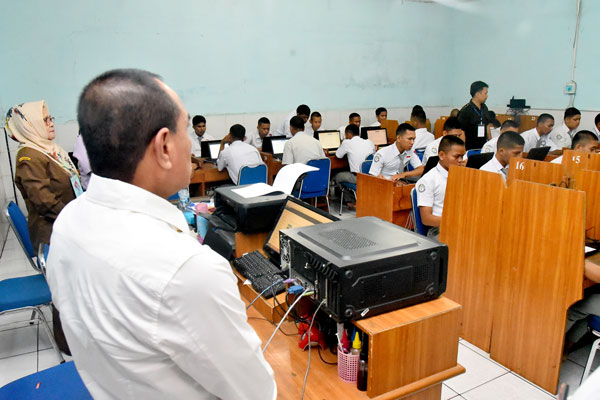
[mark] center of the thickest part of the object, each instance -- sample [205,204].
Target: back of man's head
[297,122]
[582,138]
[419,117]
[448,141]
[119,113]
[509,140]
[352,129]
[452,123]
[303,109]
[509,125]
[238,132]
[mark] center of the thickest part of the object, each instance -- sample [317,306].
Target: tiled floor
[25,349]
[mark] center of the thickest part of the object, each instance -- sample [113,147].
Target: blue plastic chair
[420,152]
[472,152]
[174,197]
[252,174]
[594,326]
[18,223]
[365,166]
[316,183]
[419,227]
[370,157]
[61,382]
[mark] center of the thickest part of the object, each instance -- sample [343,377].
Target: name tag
[76,184]
[480,131]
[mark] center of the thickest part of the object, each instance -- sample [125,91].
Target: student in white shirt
[423,137]
[302,147]
[431,188]
[510,144]
[263,129]
[507,126]
[391,162]
[148,312]
[494,127]
[238,154]
[199,125]
[354,119]
[539,136]
[597,125]
[302,111]
[380,115]
[315,121]
[562,135]
[584,141]
[452,127]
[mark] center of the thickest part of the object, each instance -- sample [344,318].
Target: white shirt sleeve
[425,193]
[202,326]
[288,156]
[341,151]
[376,165]
[221,160]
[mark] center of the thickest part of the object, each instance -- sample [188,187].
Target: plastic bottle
[361,377]
[184,198]
[356,345]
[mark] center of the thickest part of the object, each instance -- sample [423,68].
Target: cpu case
[364,266]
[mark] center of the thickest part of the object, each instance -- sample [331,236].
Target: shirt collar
[234,143]
[441,170]
[395,150]
[121,195]
[421,130]
[496,163]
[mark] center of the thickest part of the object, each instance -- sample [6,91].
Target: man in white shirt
[381,115]
[199,125]
[263,129]
[431,188]
[539,136]
[391,162]
[584,141]
[302,111]
[238,154]
[597,125]
[507,126]
[452,127]
[423,137]
[354,119]
[562,135]
[510,144]
[302,147]
[315,121]
[148,312]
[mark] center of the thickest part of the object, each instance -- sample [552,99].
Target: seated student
[315,121]
[238,154]
[539,136]
[584,141]
[381,115]
[507,126]
[510,144]
[494,127]
[454,112]
[597,125]
[255,138]
[199,125]
[302,147]
[302,111]
[431,188]
[391,162]
[354,119]
[451,127]
[423,137]
[577,315]
[562,135]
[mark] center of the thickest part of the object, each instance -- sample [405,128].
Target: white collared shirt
[596,131]
[490,146]
[531,140]
[196,149]
[432,149]
[494,166]
[557,160]
[236,156]
[284,128]
[562,136]
[422,138]
[301,149]
[387,161]
[254,139]
[431,189]
[357,150]
[376,123]
[148,312]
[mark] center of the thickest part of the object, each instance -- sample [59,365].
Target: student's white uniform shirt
[557,160]
[301,149]
[237,155]
[490,146]
[562,136]
[495,132]
[196,149]
[357,150]
[533,140]
[148,312]
[376,123]
[494,166]
[432,149]
[431,189]
[284,128]
[422,138]
[387,161]
[596,131]
[254,139]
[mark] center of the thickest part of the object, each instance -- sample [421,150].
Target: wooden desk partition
[589,182]
[526,122]
[535,171]
[540,274]
[574,161]
[594,163]
[390,126]
[382,198]
[472,215]
[438,127]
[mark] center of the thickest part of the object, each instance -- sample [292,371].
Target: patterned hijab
[26,125]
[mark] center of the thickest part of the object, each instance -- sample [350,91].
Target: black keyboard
[261,272]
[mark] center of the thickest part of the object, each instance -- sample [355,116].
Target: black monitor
[209,149]
[538,153]
[477,161]
[274,144]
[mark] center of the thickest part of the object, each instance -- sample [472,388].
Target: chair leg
[341,200]
[49,332]
[327,200]
[31,320]
[590,361]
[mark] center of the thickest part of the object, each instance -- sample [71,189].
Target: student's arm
[376,166]
[341,151]
[415,172]
[288,156]
[428,218]
[592,271]
[221,161]
[226,139]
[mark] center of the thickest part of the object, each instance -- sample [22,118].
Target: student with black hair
[451,127]
[474,117]
[380,115]
[391,162]
[597,125]
[238,154]
[583,140]
[353,119]
[302,147]
[200,135]
[562,135]
[315,121]
[423,137]
[510,144]
[302,111]
[263,129]
[507,126]
[540,135]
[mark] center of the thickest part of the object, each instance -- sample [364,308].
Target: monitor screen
[329,139]
[214,149]
[278,146]
[377,136]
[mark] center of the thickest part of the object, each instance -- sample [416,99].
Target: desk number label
[577,159]
[521,165]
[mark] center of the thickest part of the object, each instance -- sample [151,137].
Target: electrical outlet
[570,87]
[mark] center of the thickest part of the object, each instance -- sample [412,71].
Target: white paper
[589,249]
[480,131]
[284,182]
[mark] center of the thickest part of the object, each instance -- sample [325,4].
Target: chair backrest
[252,174]
[419,227]
[18,223]
[316,183]
[366,166]
[420,152]
[472,152]
[370,157]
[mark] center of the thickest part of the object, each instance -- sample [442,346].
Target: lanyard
[479,113]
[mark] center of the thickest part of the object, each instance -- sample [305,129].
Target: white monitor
[278,145]
[377,136]
[329,139]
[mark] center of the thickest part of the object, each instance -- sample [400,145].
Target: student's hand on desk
[397,177]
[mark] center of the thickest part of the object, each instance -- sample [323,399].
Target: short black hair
[448,141]
[597,119]
[353,115]
[119,112]
[416,107]
[380,110]
[198,119]
[403,128]
[264,120]
[452,123]
[510,139]
[297,122]
[509,123]
[571,112]
[491,115]
[496,123]
[477,86]
[353,129]
[237,131]
[583,137]
[419,116]
[303,109]
[543,118]
[315,114]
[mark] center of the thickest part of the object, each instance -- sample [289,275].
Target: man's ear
[162,148]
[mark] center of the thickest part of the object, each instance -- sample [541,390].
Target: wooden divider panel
[374,197]
[589,182]
[573,161]
[536,171]
[594,163]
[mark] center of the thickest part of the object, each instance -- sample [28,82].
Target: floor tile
[479,370]
[475,348]
[23,340]
[12,266]
[507,387]
[448,393]
[16,367]
[571,374]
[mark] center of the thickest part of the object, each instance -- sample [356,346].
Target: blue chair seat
[27,291]
[594,322]
[351,186]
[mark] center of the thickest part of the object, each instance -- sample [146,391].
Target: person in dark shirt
[474,117]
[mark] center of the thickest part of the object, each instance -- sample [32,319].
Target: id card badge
[480,130]
[76,184]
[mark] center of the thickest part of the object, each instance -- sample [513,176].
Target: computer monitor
[214,149]
[477,161]
[375,134]
[330,140]
[538,153]
[277,144]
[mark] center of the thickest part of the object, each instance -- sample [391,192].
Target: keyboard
[261,272]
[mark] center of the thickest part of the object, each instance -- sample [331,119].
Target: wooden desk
[535,171]
[526,122]
[383,198]
[207,173]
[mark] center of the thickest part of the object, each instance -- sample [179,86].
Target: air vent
[347,239]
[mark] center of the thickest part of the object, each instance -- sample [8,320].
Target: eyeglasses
[48,120]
